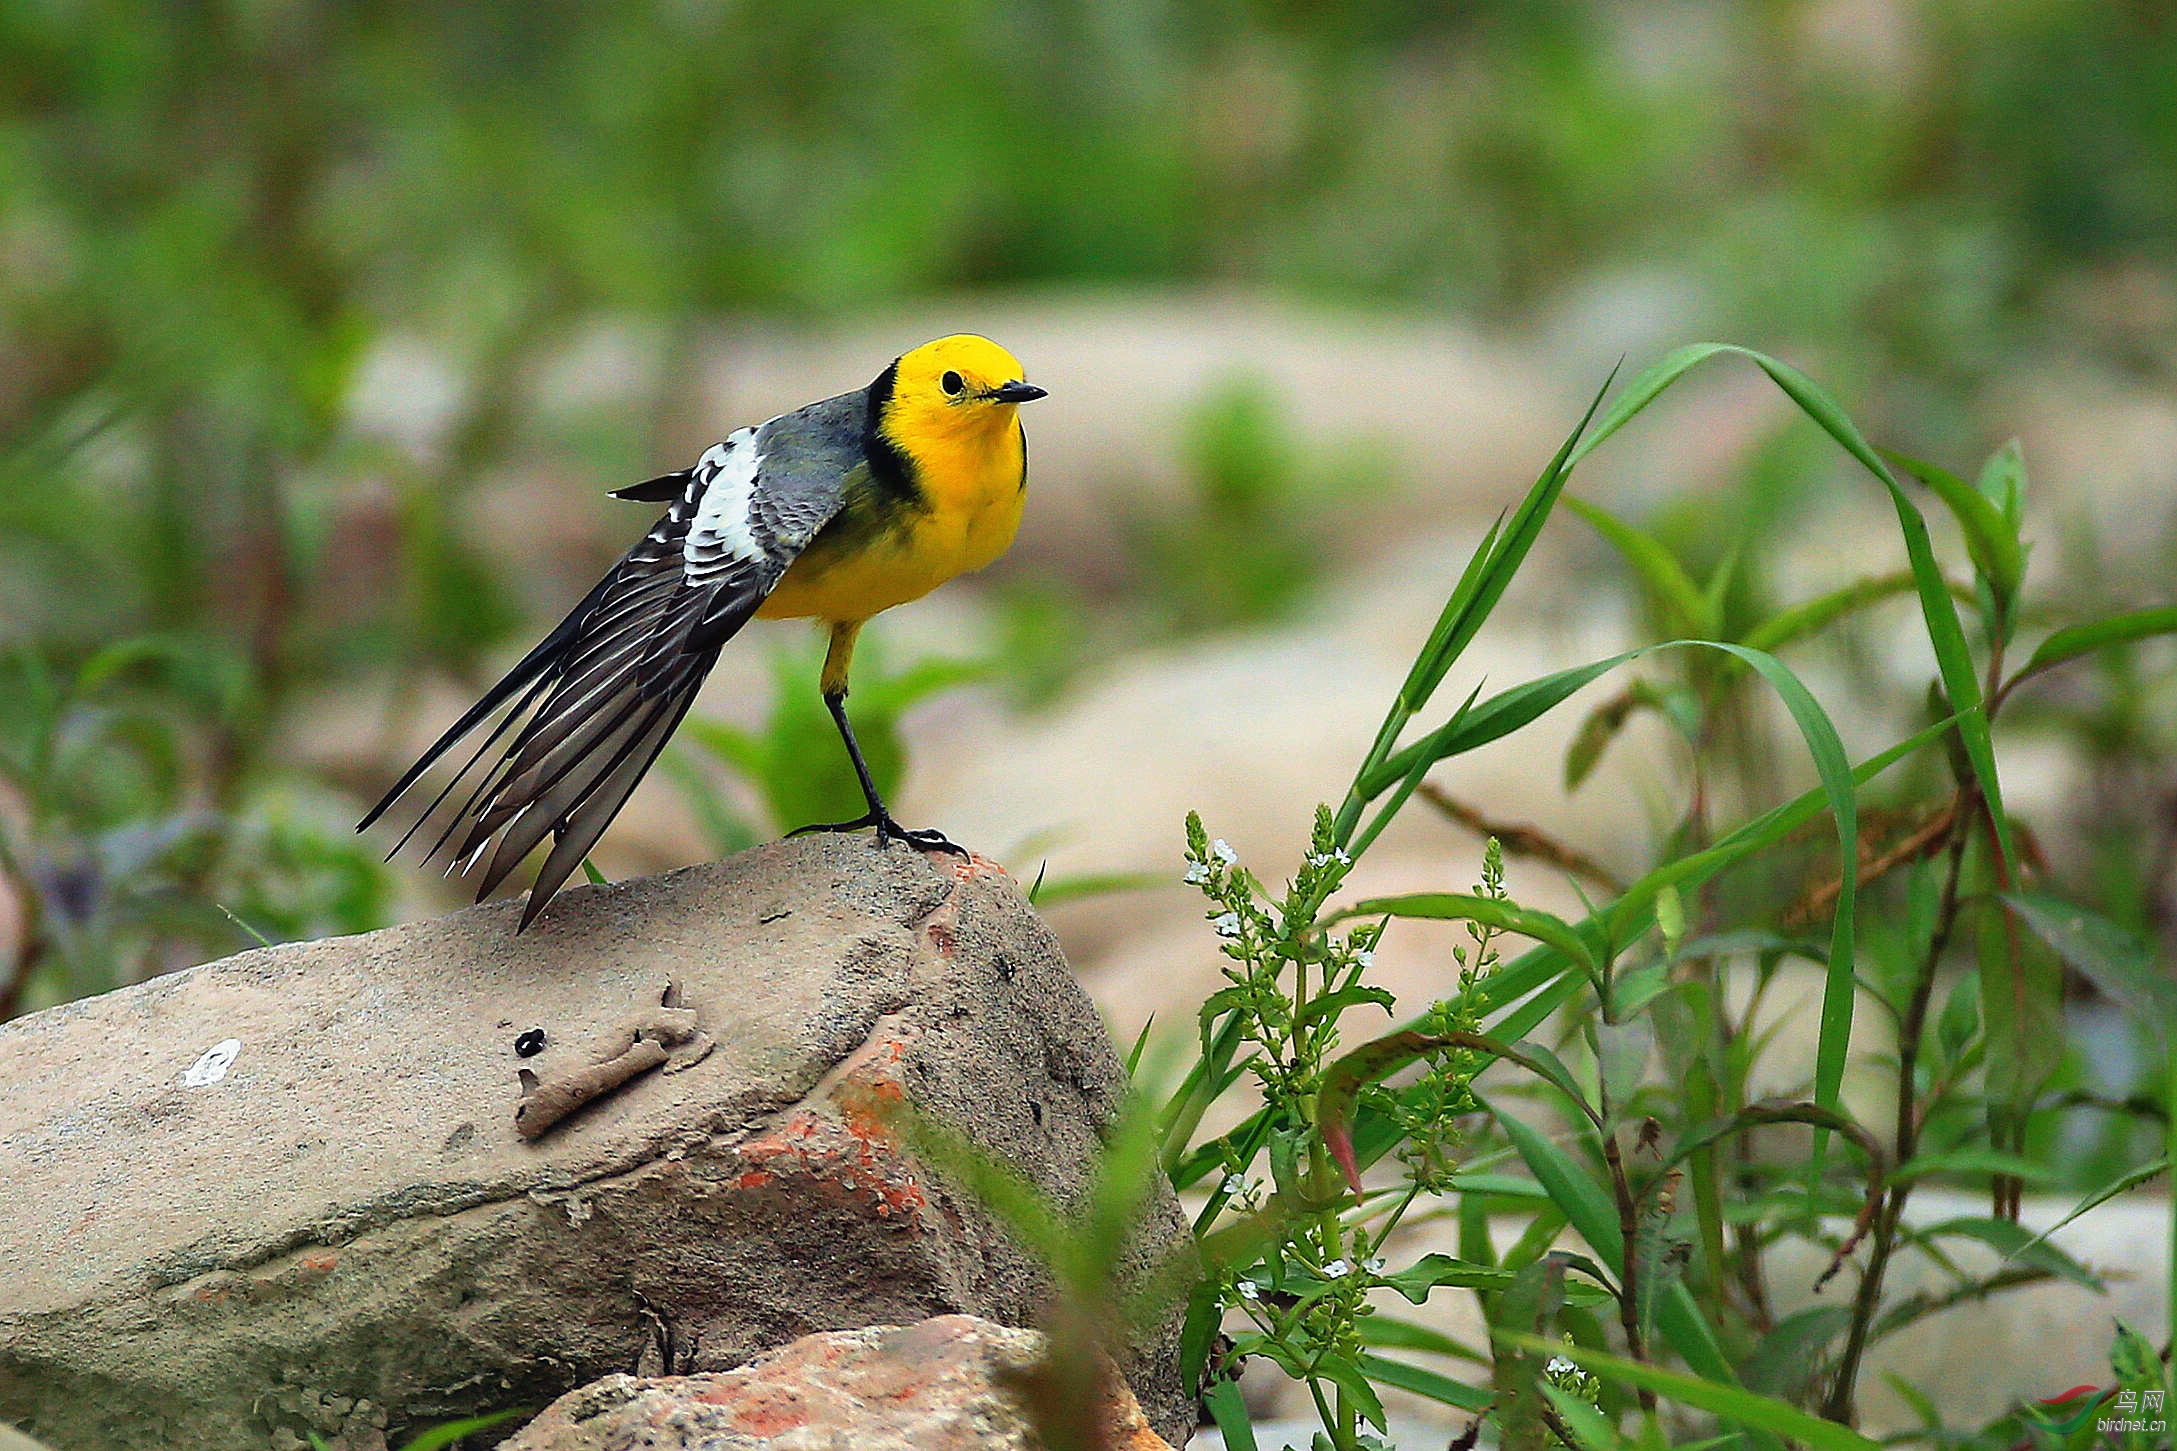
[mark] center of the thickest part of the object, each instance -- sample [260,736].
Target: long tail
[586,713]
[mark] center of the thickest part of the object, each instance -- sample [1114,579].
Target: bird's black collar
[887,465]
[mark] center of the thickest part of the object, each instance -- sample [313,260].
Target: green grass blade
[2129,1179]
[1436,1387]
[1587,1207]
[1731,1402]
[436,1438]
[1685,603]
[1495,718]
[1991,541]
[1225,1407]
[1643,390]
[1796,622]
[1389,1332]
[1488,572]
[1584,1203]
[1590,1427]
[1953,658]
[1490,912]
[1833,1042]
[2068,644]
[1092,884]
[1508,711]
[1505,559]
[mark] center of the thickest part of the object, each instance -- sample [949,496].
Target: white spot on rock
[213,1065]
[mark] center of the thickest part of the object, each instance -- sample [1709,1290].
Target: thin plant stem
[1840,1403]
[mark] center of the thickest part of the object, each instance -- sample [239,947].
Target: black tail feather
[535,664]
[586,713]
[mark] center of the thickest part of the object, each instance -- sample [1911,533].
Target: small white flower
[1223,851]
[1365,958]
[1374,1266]
[1337,1270]
[1196,874]
[1248,1290]
[1234,1184]
[1228,925]
[1325,858]
[1559,1366]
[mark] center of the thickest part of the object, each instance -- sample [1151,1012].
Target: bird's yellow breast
[973,484]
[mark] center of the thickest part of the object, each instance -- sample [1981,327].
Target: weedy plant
[1593,1089]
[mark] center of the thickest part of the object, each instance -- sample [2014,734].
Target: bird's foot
[888,830]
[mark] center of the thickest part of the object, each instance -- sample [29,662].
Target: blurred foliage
[283,289]
[1243,548]
[1242,545]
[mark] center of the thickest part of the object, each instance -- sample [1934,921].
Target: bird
[836,511]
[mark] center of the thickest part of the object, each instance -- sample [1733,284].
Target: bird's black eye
[951,382]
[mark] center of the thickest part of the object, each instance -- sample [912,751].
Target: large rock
[286,1191]
[948,1384]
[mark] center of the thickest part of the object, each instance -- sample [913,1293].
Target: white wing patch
[721,531]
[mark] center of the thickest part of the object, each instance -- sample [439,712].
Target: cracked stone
[349,1209]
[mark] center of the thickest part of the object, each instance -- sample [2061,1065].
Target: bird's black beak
[1017,392]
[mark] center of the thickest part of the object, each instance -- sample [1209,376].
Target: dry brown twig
[1521,840]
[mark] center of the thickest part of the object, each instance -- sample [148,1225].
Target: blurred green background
[278,284]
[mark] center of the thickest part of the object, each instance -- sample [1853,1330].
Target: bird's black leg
[928,839]
[835,700]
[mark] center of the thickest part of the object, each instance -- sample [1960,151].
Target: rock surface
[285,1192]
[947,1384]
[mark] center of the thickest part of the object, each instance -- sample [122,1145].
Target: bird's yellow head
[956,387]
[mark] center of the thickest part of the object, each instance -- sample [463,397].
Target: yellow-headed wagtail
[837,510]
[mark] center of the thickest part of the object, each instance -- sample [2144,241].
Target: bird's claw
[927,838]
[888,831]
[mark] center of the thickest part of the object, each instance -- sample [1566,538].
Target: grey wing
[775,488]
[595,702]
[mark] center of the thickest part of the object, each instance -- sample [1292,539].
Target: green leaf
[1590,1427]
[1990,540]
[2134,1361]
[2015,1242]
[2077,640]
[1095,884]
[1810,617]
[1494,719]
[1333,1004]
[2002,482]
[2128,1180]
[2122,964]
[437,1437]
[1596,733]
[1389,1332]
[1229,1411]
[1786,1360]
[1483,582]
[1490,912]
[1685,608]
[1433,1271]
[1971,1161]
[1961,684]
[1731,1402]
[1436,1387]
[1585,1203]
